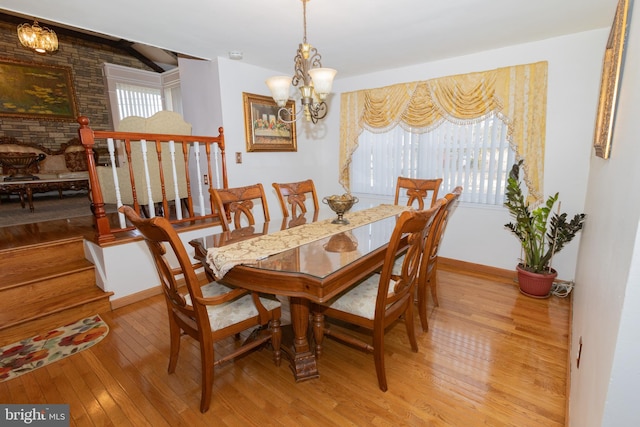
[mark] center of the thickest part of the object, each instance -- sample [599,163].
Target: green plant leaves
[540,235]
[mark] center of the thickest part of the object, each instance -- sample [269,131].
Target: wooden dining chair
[207,313]
[382,298]
[294,197]
[428,277]
[236,205]
[417,191]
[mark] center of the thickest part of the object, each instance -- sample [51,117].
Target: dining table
[308,259]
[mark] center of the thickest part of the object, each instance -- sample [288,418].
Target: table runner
[224,258]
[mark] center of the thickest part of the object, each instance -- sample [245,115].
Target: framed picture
[36,91]
[263,128]
[611,69]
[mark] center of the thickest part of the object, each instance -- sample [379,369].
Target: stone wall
[85,59]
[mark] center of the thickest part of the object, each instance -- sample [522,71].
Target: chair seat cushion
[229,313]
[361,299]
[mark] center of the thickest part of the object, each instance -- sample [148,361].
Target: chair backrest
[417,190]
[293,197]
[236,205]
[162,239]
[416,225]
[437,230]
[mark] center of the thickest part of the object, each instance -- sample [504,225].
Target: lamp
[40,39]
[316,81]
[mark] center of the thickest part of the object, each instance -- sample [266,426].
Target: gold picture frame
[611,69]
[36,91]
[263,130]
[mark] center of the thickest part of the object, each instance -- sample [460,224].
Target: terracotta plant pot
[535,285]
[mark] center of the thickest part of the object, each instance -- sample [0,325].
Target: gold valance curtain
[518,94]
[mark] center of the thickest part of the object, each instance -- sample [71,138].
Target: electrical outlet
[206,179]
[238,157]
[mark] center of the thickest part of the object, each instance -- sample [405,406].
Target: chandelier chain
[304,20]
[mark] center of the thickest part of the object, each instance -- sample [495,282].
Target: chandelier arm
[318,111]
[289,113]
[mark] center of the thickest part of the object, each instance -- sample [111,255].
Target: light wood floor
[491,357]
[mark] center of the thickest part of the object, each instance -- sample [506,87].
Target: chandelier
[40,39]
[315,82]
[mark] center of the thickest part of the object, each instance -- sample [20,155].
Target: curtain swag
[518,94]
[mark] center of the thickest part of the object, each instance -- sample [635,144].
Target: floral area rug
[33,353]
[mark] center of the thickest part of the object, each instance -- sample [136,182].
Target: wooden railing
[156,174]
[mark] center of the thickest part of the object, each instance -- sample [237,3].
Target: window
[134,92]
[475,155]
[137,100]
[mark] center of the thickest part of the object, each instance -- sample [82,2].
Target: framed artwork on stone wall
[610,80]
[36,91]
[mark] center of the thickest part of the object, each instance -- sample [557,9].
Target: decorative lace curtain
[517,93]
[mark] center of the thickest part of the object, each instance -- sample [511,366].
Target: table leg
[301,359]
[30,197]
[21,194]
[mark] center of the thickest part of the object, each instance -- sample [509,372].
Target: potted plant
[541,234]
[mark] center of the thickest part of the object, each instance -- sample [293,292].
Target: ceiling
[353,36]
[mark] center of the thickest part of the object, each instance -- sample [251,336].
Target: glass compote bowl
[20,162]
[340,205]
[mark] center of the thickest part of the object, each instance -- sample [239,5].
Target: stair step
[50,305]
[40,260]
[37,292]
[44,286]
[19,277]
[28,329]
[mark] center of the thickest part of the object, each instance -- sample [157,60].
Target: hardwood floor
[491,357]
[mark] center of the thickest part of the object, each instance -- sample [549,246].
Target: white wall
[310,161]
[476,234]
[127,269]
[604,390]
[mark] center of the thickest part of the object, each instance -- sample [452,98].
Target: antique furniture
[18,163]
[429,265]
[381,299]
[67,162]
[30,168]
[25,189]
[427,278]
[236,205]
[417,190]
[294,263]
[293,197]
[207,313]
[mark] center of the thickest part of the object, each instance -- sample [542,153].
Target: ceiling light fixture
[316,81]
[40,39]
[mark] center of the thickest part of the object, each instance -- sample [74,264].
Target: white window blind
[475,155]
[138,100]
